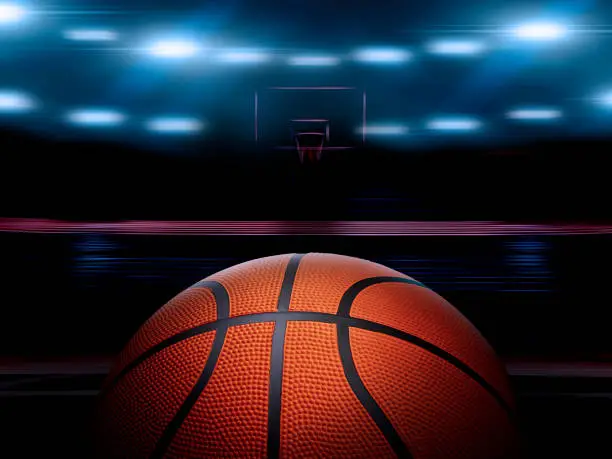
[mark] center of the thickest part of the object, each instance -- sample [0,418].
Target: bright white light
[540,31]
[243,57]
[15,102]
[383,129]
[96,117]
[534,114]
[454,124]
[174,49]
[454,47]
[90,35]
[605,99]
[11,13]
[314,60]
[382,55]
[174,125]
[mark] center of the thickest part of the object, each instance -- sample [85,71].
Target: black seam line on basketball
[173,426]
[350,369]
[344,310]
[346,302]
[277,357]
[334,319]
[221,300]
[284,298]
[365,398]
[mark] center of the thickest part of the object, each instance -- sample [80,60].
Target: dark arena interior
[147,145]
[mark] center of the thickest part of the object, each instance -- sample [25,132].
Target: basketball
[314,355]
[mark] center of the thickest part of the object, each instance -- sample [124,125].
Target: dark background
[71,300]
[77,298]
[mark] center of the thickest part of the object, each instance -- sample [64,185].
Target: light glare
[534,114]
[174,49]
[174,125]
[460,48]
[11,13]
[96,117]
[605,99]
[383,130]
[382,55]
[454,124]
[15,102]
[314,61]
[243,57]
[90,35]
[540,31]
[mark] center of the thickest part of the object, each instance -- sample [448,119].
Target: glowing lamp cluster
[11,13]
[314,61]
[382,55]
[455,47]
[384,130]
[174,125]
[90,35]
[243,56]
[96,117]
[534,114]
[173,49]
[540,31]
[454,124]
[15,102]
[605,99]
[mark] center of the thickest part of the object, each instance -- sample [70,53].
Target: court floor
[46,406]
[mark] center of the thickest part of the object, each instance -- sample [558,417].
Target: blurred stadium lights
[534,114]
[243,56]
[11,13]
[173,49]
[454,124]
[605,99]
[382,55]
[96,117]
[314,61]
[383,129]
[174,125]
[90,35]
[15,102]
[455,47]
[540,31]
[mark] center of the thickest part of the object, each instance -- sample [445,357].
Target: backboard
[309,119]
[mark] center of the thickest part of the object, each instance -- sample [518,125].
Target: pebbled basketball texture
[313,355]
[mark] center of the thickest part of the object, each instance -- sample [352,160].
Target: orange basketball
[307,356]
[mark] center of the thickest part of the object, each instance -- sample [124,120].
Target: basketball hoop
[310,146]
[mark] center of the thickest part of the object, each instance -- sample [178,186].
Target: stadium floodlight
[90,35]
[15,102]
[11,13]
[534,114]
[455,47]
[384,130]
[315,61]
[173,49]
[96,117]
[243,56]
[540,31]
[454,124]
[174,125]
[382,55]
[605,99]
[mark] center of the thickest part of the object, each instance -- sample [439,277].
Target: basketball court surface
[46,406]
